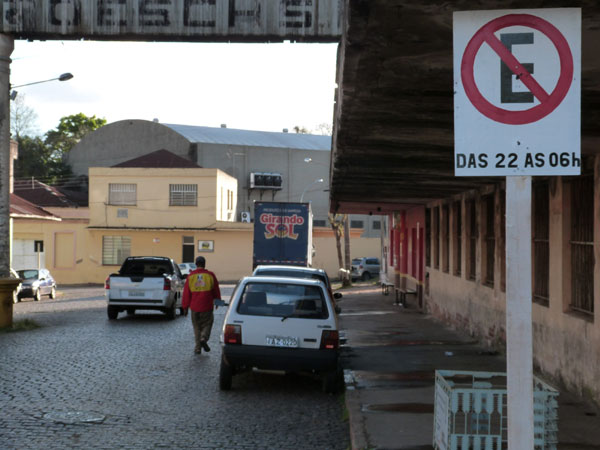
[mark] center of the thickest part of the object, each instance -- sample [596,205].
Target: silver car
[365,268]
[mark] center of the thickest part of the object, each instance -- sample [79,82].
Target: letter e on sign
[517,90]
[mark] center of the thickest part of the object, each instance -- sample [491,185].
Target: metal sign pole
[519,341]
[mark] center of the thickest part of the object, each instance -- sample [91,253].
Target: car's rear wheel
[332,381]
[112,312]
[366,276]
[170,312]
[37,295]
[225,376]
[53,293]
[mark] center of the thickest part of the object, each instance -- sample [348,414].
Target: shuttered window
[582,245]
[122,194]
[115,249]
[183,195]
[541,242]
[472,261]
[490,239]
[457,213]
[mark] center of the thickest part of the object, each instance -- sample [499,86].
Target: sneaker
[197,351]
[205,346]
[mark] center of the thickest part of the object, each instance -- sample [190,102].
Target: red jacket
[200,290]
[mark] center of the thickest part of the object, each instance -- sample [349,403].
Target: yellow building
[158,205]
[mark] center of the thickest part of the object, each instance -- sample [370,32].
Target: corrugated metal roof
[250,138]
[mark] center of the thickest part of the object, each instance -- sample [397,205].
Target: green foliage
[70,130]
[21,325]
[45,159]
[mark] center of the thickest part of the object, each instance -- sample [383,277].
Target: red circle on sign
[548,102]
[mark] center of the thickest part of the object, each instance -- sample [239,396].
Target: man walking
[200,290]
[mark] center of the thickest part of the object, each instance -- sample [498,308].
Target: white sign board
[517,92]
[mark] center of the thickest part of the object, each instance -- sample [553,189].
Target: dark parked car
[36,283]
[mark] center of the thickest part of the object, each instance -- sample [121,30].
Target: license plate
[136,293]
[282,341]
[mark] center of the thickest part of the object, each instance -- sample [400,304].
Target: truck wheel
[53,293]
[112,312]
[366,276]
[37,296]
[170,312]
[225,376]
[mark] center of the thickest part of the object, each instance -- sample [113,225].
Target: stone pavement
[390,357]
[82,381]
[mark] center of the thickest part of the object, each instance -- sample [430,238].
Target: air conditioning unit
[245,217]
[265,180]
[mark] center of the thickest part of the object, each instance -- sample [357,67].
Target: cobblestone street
[82,381]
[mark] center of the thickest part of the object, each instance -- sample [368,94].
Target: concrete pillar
[6,284]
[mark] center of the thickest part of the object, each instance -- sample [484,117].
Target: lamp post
[319,180]
[64,77]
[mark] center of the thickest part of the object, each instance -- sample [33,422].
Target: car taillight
[233,334]
[107,283]
[167,285]
[330,339]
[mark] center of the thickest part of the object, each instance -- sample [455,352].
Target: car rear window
[148,268]
[292,274]
[283,300]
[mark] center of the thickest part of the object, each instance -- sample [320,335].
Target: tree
[70,130]
[301,130]
[338,224]
[35,158]
[324,128]
[23,119]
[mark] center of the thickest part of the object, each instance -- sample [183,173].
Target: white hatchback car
[277,323]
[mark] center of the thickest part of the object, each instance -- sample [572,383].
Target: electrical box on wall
[265,180]
[245,216]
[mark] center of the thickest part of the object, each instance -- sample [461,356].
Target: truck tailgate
[148,288]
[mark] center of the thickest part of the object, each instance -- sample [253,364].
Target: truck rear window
[146,268]
[283,300]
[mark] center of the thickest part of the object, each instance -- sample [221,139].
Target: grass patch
[345,413]
[21,325]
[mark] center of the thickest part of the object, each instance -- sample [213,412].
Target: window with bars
[428,237]
[436,238]
[376,224]
[582,245]
[457,235]
[541,242]
[490,239]
[502,246]
[115,249]
[473,234]
[122,194]
[446,238]
[356,224]
[183,195]
[319,223]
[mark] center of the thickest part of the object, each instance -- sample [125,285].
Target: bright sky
[249,86]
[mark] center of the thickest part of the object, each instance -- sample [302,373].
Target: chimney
[223,125]
[285,130]
[155,120]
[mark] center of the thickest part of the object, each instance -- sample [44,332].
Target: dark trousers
[202,322]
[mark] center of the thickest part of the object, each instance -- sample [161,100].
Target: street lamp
[63,77]
[319,180]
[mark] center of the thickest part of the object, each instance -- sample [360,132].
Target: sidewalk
[390,357]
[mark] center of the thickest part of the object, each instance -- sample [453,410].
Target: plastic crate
[470,412]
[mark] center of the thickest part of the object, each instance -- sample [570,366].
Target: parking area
[82,381]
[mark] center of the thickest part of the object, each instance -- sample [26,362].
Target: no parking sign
[517,95]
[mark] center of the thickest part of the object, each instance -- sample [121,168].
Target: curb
[358,435]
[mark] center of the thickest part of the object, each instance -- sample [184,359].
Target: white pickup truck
[145,282]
